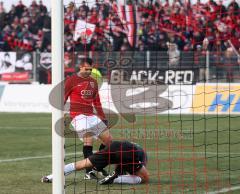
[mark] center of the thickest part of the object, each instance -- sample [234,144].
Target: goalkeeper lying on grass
[130,160]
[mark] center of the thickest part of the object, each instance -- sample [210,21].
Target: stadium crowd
[24,28]
[210,25]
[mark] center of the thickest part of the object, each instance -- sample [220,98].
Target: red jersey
[83,93]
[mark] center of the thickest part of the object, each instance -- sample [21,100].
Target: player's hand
[67,121]
[105,122]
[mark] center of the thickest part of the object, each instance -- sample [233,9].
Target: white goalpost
[57,111]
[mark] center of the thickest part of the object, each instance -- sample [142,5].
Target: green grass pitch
[187,154]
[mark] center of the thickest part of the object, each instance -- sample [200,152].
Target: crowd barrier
[140,67]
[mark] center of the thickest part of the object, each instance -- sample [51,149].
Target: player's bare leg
[87,151]
[106,139]
[83,164]
[70,168]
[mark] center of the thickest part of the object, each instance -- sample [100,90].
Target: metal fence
[139,67]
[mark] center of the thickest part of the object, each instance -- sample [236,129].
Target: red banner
[16,76]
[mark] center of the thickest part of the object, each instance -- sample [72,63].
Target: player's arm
[67,89]
[143,174]
[98,106]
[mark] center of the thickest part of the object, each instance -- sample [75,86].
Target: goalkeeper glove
[105,122]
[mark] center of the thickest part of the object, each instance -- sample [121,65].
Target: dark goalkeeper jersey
[128,156]
[83,93]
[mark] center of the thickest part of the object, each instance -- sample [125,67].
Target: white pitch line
[72,154]
[130,130]
[32,158]
[224,190]
[20,128]
[25,158]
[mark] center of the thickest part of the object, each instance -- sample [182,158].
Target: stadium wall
[172,99]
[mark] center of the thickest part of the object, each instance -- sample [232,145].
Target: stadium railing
[184,68]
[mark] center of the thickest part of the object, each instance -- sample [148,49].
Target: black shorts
[131,168]
[128,157]
[99,160]
[132,160]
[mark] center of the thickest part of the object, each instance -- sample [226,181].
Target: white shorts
[83,124]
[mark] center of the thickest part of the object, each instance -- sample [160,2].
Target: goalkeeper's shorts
[84,124]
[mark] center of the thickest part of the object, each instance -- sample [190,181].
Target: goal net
[169,81]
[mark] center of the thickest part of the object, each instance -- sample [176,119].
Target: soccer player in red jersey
[82,90]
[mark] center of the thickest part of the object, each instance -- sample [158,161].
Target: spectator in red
[190,28]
